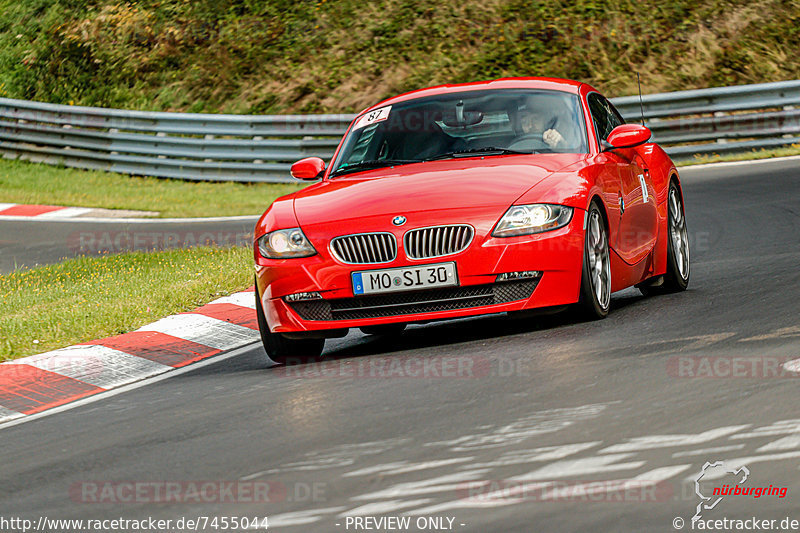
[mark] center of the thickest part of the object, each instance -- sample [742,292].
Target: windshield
[493,122]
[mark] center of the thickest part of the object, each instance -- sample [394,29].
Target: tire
[286,351]
[388,330]
[595,294]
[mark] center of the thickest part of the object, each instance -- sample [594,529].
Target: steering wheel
[529,141]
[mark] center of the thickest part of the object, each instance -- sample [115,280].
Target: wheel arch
[673,176]
[603,209]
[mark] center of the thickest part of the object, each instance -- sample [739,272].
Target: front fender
[280,215]
[576,188]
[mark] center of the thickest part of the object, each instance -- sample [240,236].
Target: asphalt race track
[27,243]
[556,415]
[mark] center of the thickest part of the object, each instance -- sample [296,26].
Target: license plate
[404,279]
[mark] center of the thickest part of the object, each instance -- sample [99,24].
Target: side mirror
[627,136]
[310,168]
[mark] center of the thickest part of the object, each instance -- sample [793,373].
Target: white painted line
[133,386]
[66,212]
[402,468]
[546,453]
[446,483]
[6,206]
[792,366]
[96,365]
[499,498]
[580,467]
[385,467]
[709,451]
[545,421]
[8,414]
[791,331]
[524,492]
[667,441]
[781,427]
[244,299]
[204,330]
[789,442]
[516,493]
[334,457]
[642,480]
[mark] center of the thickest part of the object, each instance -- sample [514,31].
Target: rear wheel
[595,295]
[388,330]
[676,278]
[286,351]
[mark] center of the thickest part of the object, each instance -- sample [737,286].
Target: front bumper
[556,254]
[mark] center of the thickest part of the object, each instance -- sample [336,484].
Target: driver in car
[535,121]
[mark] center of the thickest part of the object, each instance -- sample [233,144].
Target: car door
[633,201]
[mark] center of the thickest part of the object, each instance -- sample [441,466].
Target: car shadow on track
[451,332]
[441,334]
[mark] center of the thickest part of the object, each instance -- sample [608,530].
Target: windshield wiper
[373,163]
[485,150]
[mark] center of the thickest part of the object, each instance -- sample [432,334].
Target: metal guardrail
[262,147]
[720,120]
[169,145]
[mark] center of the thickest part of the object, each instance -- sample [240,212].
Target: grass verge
[93,297]
[22,182]
[743,156]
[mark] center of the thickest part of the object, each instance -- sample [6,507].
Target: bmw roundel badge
[399,220]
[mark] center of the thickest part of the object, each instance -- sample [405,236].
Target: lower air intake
[408,303]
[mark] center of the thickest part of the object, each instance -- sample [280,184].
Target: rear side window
[604,115]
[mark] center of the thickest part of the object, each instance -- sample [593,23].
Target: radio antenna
[641,105]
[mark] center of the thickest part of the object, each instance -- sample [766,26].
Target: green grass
[90,298]
[32,183]
[743,156]
[284,56]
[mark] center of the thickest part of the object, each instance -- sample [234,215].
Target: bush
[243,56]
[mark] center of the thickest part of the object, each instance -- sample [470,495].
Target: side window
[617,117]
[604,115]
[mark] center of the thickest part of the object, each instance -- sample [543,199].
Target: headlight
[285,243]
[533,218]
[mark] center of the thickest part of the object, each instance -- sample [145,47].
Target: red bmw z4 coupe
[460,200]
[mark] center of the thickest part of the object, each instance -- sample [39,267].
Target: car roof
[553,84]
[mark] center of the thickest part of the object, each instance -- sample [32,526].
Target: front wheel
[286,351]
[595,295]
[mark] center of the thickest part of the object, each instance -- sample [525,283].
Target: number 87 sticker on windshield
[404,279]
[372,117]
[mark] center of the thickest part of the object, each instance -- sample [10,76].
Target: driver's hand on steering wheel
[553,138]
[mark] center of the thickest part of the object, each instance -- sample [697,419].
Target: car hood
[430,186]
